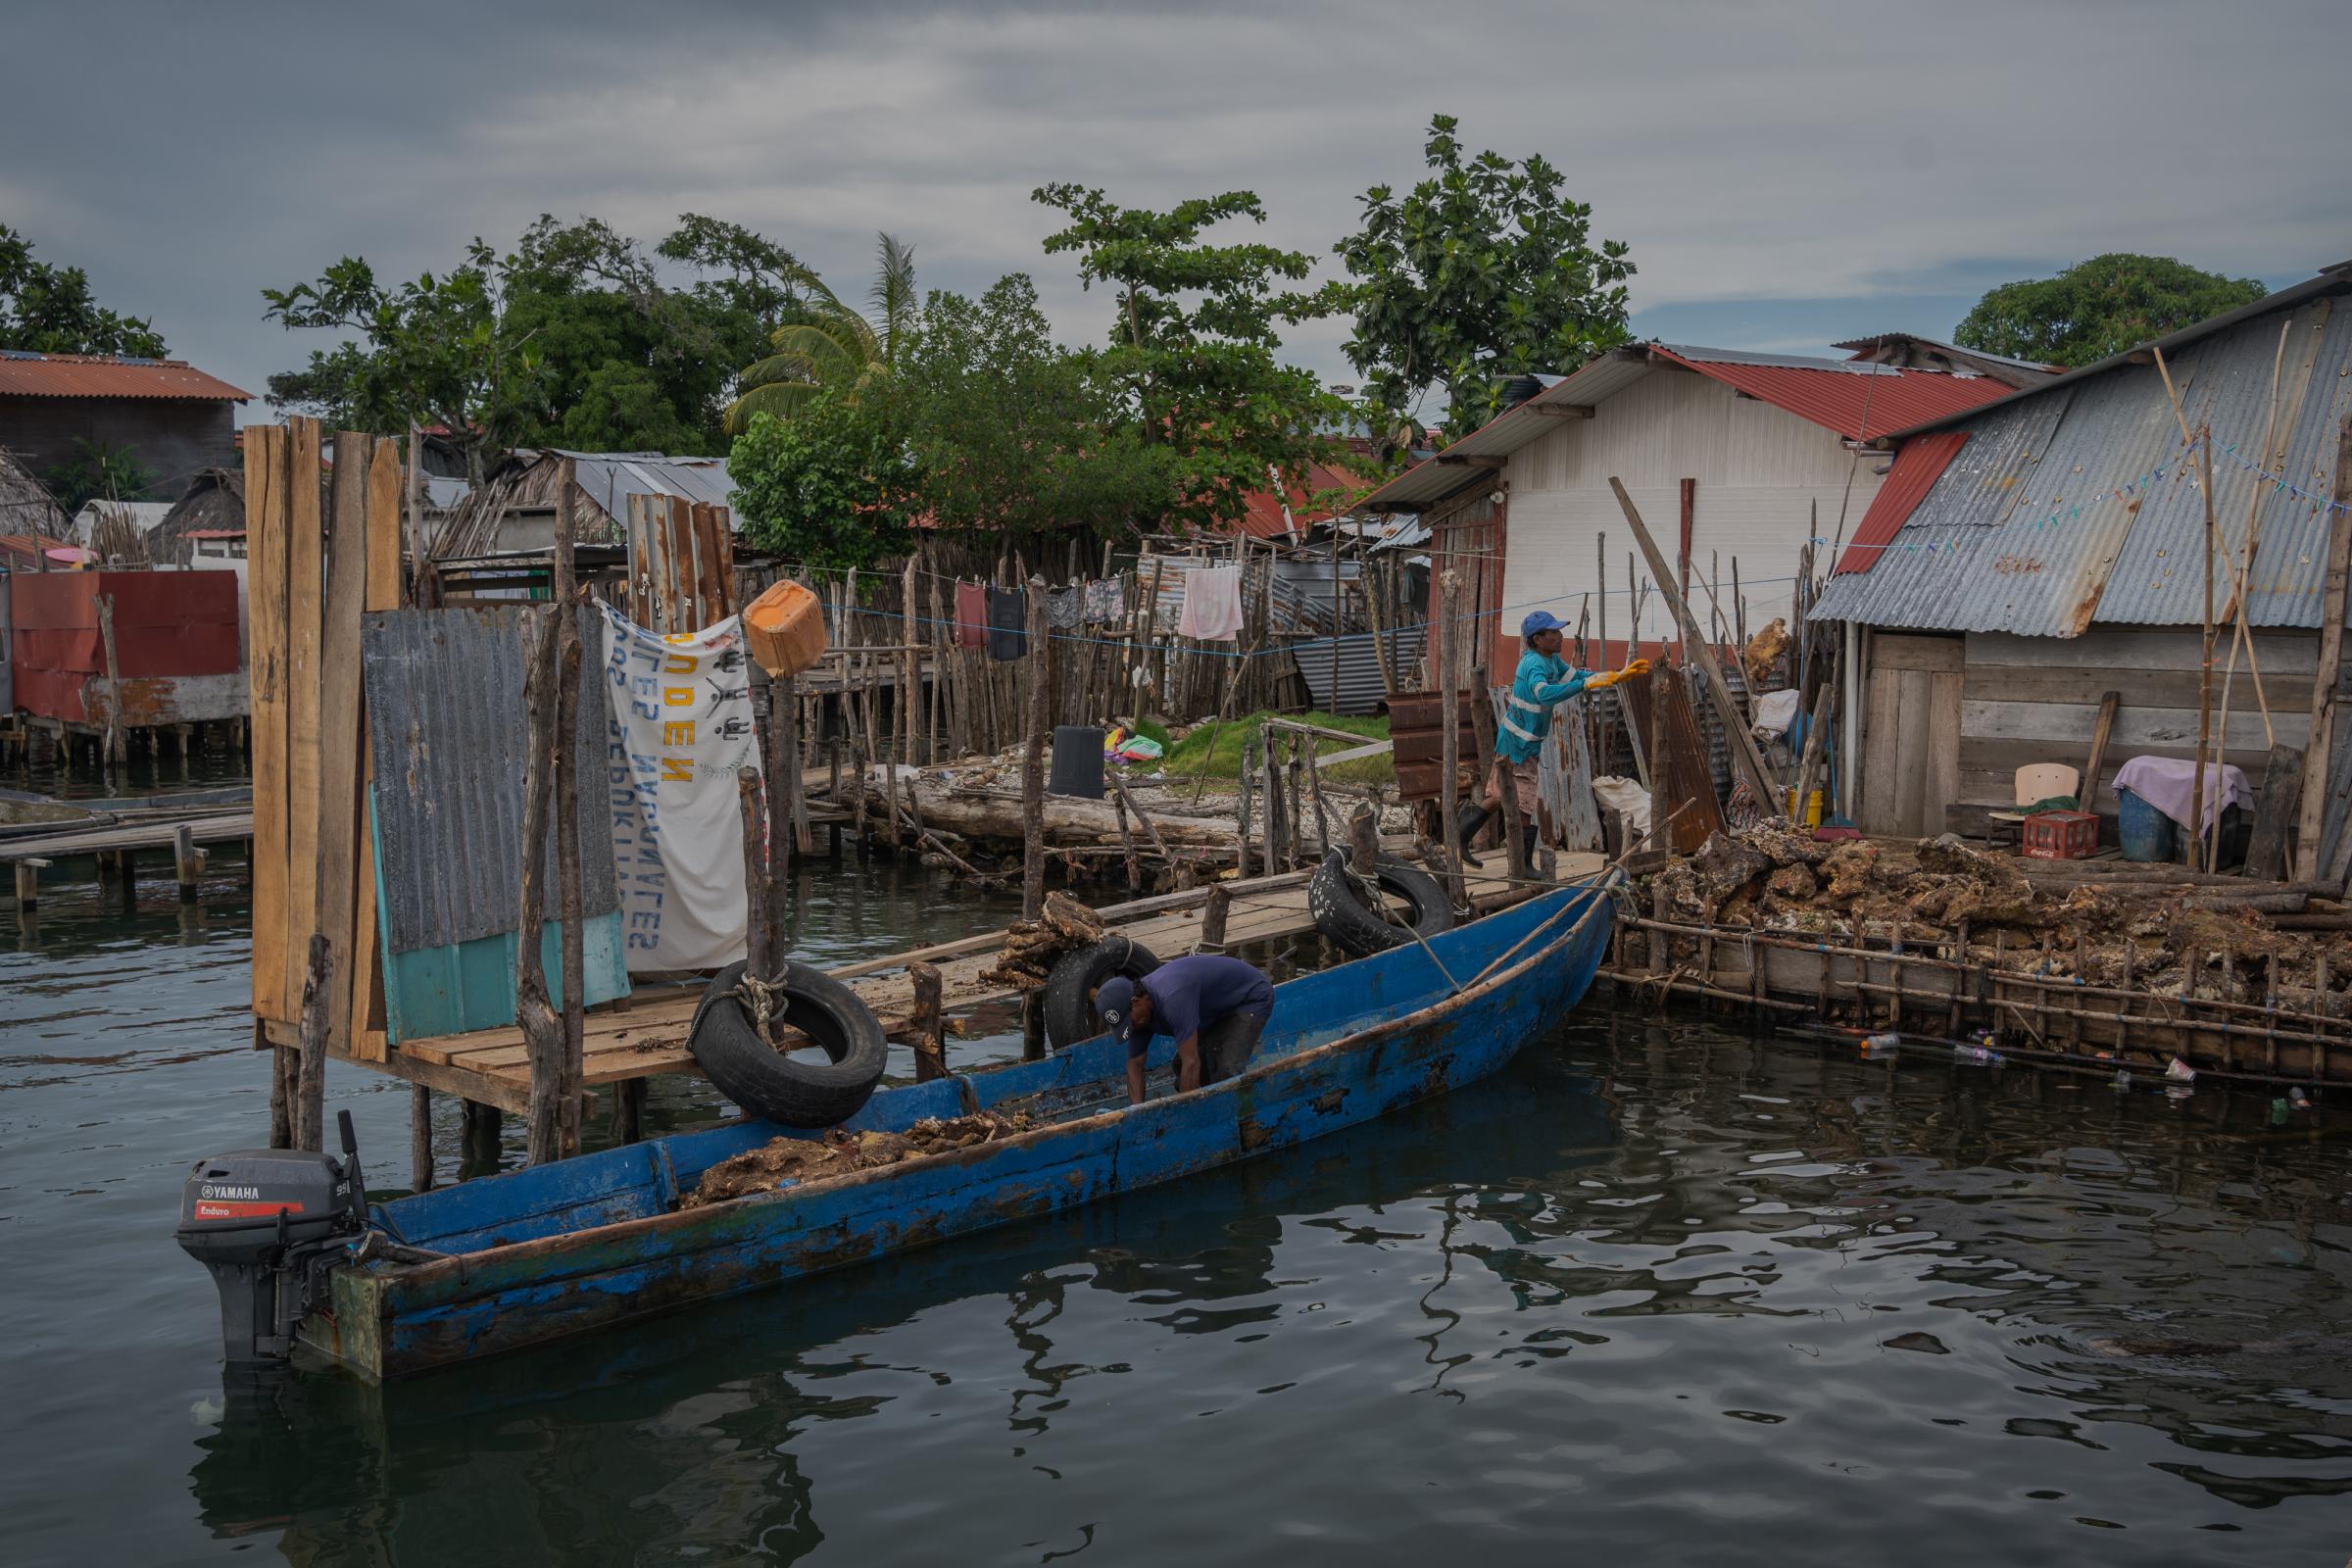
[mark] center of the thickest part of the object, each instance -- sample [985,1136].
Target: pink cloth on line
[1212,603]
[971,615]
[2169,782]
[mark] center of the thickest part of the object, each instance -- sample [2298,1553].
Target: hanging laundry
[1008,623]
[1105,600]
[1212,603]
[971,615]
[1061,609]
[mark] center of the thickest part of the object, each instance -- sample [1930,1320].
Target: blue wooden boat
[584,1243]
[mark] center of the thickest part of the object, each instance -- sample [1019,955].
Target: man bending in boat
[1544,681]
[1215,1007]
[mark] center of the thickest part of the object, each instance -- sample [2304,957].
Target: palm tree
[832,345]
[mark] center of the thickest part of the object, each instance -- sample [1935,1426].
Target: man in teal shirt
[1545,681]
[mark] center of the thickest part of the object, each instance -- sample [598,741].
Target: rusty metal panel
[24,374]
[448,733]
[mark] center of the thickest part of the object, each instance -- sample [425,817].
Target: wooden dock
[648,1036]
[230,827]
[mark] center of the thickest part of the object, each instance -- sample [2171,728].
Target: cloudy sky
[1787,174]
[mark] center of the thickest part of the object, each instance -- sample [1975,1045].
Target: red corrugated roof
[1856,407]
[1262,512]
[89,375]
[22,550]
[1916,468]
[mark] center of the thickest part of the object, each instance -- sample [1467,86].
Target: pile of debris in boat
[839,1151]
[2159,929]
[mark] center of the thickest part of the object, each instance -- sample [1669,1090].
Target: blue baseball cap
[1114,1000]
[1540,621]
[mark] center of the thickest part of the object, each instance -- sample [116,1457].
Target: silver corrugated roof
[1998,543]
[609,479]
[1361,690]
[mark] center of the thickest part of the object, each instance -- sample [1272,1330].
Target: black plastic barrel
[1077,762]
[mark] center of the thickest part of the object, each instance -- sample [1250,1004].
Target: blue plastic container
[2145,833]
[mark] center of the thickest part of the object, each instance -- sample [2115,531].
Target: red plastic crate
[2059,836]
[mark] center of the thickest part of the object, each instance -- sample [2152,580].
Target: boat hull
[589,1243]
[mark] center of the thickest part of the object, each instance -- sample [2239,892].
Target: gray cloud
[1784,173]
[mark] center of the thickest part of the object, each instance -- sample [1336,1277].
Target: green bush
[1215,748]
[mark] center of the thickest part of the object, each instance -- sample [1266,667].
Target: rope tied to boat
[764,1000]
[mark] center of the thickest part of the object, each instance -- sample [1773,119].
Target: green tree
[97,471]
[829,345]
[1481,273]
[2098,308]
[983,425]
[574,338]
[1193,363]
[1009,431]
[832,486]
[50,310]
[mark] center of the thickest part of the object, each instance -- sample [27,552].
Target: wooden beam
[1745,756]
[266,450]
[2089,797]
[367,1040]
[2320,745]
[337,824]
[305,579]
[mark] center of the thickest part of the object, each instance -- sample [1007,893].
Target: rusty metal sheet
[446,726]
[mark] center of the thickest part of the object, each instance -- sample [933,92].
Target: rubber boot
[1468,817]
[1527,846]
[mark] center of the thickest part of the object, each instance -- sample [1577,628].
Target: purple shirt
[1189,994]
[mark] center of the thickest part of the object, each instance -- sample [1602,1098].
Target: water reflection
[1676,1292]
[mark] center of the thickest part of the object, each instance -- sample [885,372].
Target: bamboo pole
[542,1027]
[570,904]
[1449,587]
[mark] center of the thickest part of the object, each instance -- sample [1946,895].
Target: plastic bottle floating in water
[2122,1080]
[2180,1072]
[1879,1047]
[1979,1055]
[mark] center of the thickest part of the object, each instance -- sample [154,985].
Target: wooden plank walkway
[649,1036]
[234,827]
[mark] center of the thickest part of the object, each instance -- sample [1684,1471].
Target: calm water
[1657,1293]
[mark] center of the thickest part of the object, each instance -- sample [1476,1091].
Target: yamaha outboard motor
[272,1224]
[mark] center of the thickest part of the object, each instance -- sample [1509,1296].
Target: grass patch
[1214,749]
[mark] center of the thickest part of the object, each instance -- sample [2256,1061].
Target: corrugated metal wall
[449,734]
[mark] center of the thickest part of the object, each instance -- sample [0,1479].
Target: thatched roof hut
[25,508]
[214,504]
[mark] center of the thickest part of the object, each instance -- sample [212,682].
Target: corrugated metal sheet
[1852,398]
[609,479]
[1916,468]
[26,374]
[1360,688]
[1997,544]
[446,716]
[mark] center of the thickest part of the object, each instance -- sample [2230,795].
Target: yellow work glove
[1639,666]
[1607,678]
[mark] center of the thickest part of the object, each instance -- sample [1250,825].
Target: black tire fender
[1070,984]
[1342,915]
[772,1086]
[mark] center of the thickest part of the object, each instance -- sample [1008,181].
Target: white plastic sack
[681,728]
[1775,713]
[1629,800]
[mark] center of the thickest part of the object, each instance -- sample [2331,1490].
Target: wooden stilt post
[1134,871]
[1449,587]
[541,1026]
[310,1089]
[1032,758]
[420,1139]
[1033,1026]
[1212,919]
[1364,840]
[281,1087]
[187,862]
[757,955]
[924,1034]
[628,1111]
[569,907]
[29,884]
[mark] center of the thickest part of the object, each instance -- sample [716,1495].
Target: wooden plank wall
[310,571]
[1911,726]
[2037,700]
